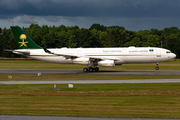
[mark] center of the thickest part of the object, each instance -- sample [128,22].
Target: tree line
[96,36]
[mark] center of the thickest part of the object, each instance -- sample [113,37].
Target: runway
[18,117]
[93,81]
[80,72]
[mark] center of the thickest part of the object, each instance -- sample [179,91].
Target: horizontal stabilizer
[26,53]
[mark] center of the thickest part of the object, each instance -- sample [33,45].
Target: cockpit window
[168,52]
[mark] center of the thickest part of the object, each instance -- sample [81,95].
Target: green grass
[25,64]
[100,100]
[44,77]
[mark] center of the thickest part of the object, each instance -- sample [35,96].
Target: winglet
[47,51]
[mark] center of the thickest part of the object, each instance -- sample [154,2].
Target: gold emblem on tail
[23,37]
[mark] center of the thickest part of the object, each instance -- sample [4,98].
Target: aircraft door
[158,53]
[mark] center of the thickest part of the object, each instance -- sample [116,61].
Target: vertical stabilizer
[23,40]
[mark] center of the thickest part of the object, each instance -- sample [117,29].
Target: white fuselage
[106,56]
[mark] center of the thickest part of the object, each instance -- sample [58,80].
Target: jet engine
[81,61]
[106,63]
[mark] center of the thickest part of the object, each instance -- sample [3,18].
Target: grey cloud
[85,22]
[10,4]
[25,19]
[111,8]
[132,14]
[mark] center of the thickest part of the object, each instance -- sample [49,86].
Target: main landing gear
[91,69]
[157,68]
[92,66]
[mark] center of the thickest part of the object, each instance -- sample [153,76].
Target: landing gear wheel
[96,69]
[85,70]
[157,68]
[91,69]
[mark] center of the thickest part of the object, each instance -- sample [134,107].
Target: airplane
[92,57]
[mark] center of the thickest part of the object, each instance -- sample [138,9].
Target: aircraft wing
[76,56]
[102,58]
[60,54]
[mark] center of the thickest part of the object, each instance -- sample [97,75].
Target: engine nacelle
[106,63]
[81,61]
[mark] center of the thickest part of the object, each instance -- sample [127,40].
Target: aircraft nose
[173,55]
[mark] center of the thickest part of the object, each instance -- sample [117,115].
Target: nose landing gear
[157,68]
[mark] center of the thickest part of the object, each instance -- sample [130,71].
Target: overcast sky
[132,14]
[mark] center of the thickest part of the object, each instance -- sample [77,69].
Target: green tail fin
[23,40]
